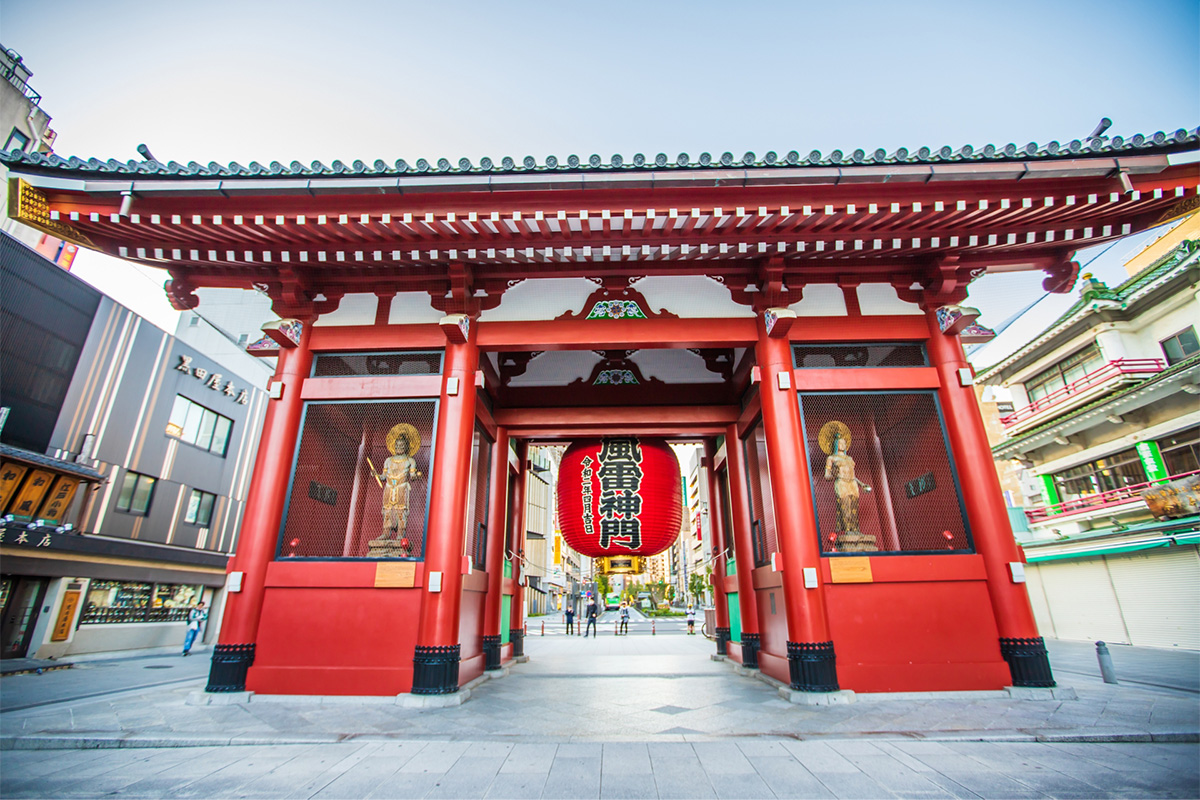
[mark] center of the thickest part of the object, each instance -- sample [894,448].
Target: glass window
[1102,475]
[16,141]
[1181,346]
[128,601]
[882,476]
[220,437]
[195,424]
[200,506]
[336,508]
[136,492]
[1181,451]
[1065,372]
[758,479]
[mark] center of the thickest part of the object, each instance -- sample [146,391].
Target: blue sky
[222,81]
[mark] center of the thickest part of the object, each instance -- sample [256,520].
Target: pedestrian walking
[570,615]
[625,618]
[691,620]
[196,616]
[591,618]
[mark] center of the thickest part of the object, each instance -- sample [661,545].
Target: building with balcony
[1100,406]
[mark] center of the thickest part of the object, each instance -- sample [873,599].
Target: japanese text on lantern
[620,499]
[585,484]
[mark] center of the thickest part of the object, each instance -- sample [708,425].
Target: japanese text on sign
[620,476]
[212,380]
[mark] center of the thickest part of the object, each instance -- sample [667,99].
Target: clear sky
[254,80]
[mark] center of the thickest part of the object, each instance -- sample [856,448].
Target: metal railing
[1099,501]
[9,74]
[1111,371]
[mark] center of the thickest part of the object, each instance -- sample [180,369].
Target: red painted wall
[326,630]
[925,623]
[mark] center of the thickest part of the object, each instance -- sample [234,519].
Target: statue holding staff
[834,439]
[403,441]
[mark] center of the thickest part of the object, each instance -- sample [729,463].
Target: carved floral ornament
[616,309]
[615,377]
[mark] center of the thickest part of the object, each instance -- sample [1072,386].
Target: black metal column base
[230,663]
[751,642]
[722,641]
[1028,661]
[435,669]
[517,637]
[491,652]
[812,666]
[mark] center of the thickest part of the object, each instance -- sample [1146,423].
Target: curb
[35,670]
[140,741]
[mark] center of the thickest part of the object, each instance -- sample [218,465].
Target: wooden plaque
[850,570]
[395,575]
[62,628]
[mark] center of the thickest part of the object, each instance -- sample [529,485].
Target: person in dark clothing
[570,615]
[591,618]
[625,618]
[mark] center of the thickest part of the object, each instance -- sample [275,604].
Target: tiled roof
[30,457]
[1119,294]
[1078,148]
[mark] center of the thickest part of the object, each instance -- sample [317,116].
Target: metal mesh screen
[883,479]
[477,510]
[875,354]
[360,482]
[413,362]
[758,480]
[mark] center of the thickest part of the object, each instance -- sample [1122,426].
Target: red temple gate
[803,317]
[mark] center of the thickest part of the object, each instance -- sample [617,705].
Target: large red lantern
[619,497]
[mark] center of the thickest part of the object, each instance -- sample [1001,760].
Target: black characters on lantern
[585,486]
[620,476]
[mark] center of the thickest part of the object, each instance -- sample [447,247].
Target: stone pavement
[767,768]
[614,717]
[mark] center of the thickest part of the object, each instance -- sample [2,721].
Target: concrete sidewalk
[608,717]
[606,689]
[765,768]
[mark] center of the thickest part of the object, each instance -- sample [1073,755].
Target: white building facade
[1105,407]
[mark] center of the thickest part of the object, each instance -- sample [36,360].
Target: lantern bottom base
[620,565]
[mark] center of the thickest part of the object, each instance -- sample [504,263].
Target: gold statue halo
[410,435]
[831,430]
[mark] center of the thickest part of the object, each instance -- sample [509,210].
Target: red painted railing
[1111,371]
[1096,502]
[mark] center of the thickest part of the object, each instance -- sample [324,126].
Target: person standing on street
[196,616]
[591,618]
[570,616]
[625,618]
[691,620]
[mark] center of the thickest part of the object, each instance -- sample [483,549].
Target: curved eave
[90,182]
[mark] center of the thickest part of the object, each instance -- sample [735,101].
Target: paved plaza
[637,716]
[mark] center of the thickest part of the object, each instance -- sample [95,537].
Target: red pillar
[497,517]
[743,548]
[436,659]
[259,536]
[516,631]
[1020,644]
[810,653]
[716,521]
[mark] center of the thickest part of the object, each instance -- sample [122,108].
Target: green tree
[603,584]
[696,585]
